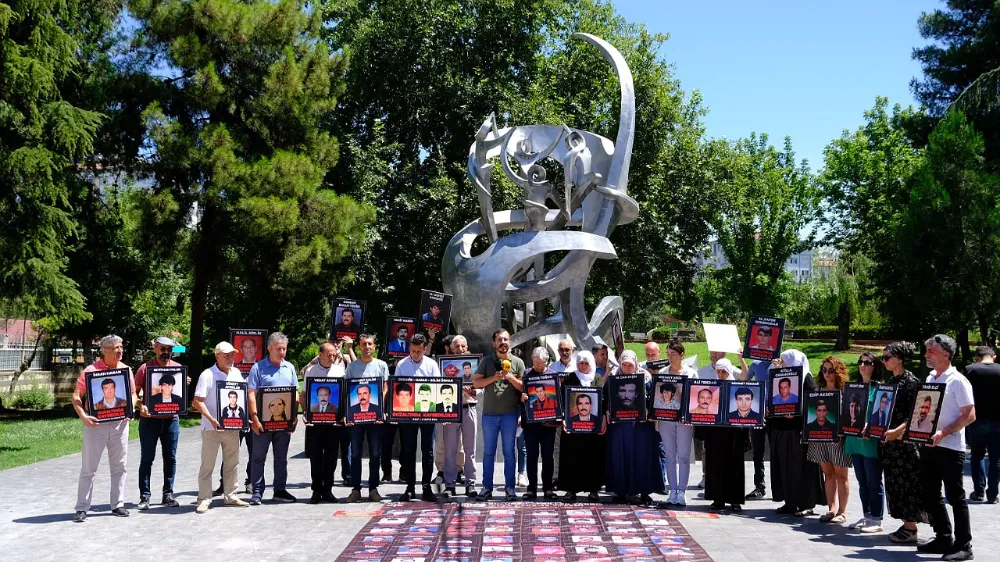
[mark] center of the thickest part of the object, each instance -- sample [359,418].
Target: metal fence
[12,356]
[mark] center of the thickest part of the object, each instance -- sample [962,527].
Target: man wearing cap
[151,430]
[417,365]
[213,436]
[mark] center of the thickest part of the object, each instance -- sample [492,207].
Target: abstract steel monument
[509,280]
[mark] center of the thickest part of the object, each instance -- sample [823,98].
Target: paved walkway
[36,503]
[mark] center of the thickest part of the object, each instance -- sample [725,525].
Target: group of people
[629,460]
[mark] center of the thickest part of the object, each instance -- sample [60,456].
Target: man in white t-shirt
[206,401]
[943,461]
[417,365]
[323,442]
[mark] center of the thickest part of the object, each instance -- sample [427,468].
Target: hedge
[830,332]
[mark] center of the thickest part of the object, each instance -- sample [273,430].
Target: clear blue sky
[797,68]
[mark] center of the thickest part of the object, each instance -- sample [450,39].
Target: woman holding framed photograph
[724,450]
[795,480]
[633,464]
[584,452]
[864,456]
[830,457]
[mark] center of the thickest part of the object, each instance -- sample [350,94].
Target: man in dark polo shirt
[984,433]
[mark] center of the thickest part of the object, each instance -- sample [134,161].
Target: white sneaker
[859,523]
[872,526]
[522,480]
[203,506]
[681,498]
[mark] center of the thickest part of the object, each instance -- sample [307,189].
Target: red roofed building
[17,331]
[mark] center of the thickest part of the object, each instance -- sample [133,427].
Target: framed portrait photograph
[617,336]
[250,347]
[854,409]
[231,405]
[923,422]
[323,400]
[165,395]
[763,339]
[543,398]
[704,397]
[398,330]
[626,397]
[110,395]
[348,318]
[277,407]
[364,400]
[785,385]
[668,396]
[820,419]
[881,411]
[583,409]
[745,401]
[435,311]
[424,400]
[460,366]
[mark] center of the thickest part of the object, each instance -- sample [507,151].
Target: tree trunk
[843,327]
[26,362]
[204,266]
[984,328]
[963,345]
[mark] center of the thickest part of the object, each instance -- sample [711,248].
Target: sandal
[827,517]
[804,513]
[839,519]
[903,535]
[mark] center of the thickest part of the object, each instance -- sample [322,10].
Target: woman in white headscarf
[633,463]
[581,454]
[724,449]
[794,480]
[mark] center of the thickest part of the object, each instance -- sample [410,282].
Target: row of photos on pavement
[860,410]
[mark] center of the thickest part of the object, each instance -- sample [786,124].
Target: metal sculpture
[509,281]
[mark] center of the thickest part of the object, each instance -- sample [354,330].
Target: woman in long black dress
[794,479]
[724,450]
[901,460]
[581,455]
[633,460]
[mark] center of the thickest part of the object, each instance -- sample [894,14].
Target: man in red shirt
[151,430]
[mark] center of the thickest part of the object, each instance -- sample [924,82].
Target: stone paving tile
[36,504]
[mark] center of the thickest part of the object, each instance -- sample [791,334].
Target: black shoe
[938,545]
[316,497]
[570,497]
[530,496]
[255,500]
[143,504]
[484,496]
[993,500]
[120,512]
[977,496]
[645,499]
[510,496]
[80,517]
[247,489]
[736,508]
[329,497]
[619,499]
[470,491]
[717,506]
[756,494]
[960,554]
[450,491]
[218,491]
[387,479]
[169,501]
[407,496]
[283,496]
[551,496]
[348,481]
[594,497]
[428,495]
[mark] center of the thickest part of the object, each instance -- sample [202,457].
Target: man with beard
[153,431]
[626,396]
[499,375]
[416,364]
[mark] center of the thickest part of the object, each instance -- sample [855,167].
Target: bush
[31,399]
[830,332]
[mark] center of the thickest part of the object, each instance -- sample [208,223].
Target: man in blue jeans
[499,375]
[152,430]
[983,435]
[272,370]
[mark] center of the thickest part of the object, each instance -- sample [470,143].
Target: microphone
[506,365]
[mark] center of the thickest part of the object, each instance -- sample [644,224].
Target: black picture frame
[394,346]
[655,367]
[855,401]
[575,422]
[122,407]
[695,413]
[255,335]
[332,416]
[353,413]
[817,426]
[880,418]
[178,404]
[427,399]
[537,410]
[455,365]
[617,335]
[442,323]
[671,410]
[929,396]
[626,397]
[736,392]
[267,399]
[357,308]
[754,348]
[781,406]
[241,421]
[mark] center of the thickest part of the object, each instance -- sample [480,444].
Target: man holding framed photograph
[153,431]
[272,370]
[367,366]
[324,442]
[416,364]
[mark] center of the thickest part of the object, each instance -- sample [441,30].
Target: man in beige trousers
[206,401]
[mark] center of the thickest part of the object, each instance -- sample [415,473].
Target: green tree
[771,199]
[238,150]
[949,234]
[46,133]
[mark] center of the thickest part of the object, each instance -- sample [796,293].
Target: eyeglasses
[888,357]
[824,371]
[866,362]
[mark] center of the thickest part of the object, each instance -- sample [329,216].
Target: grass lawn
[26,441]
[815,351]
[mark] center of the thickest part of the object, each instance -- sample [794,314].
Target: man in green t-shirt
[499,375]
